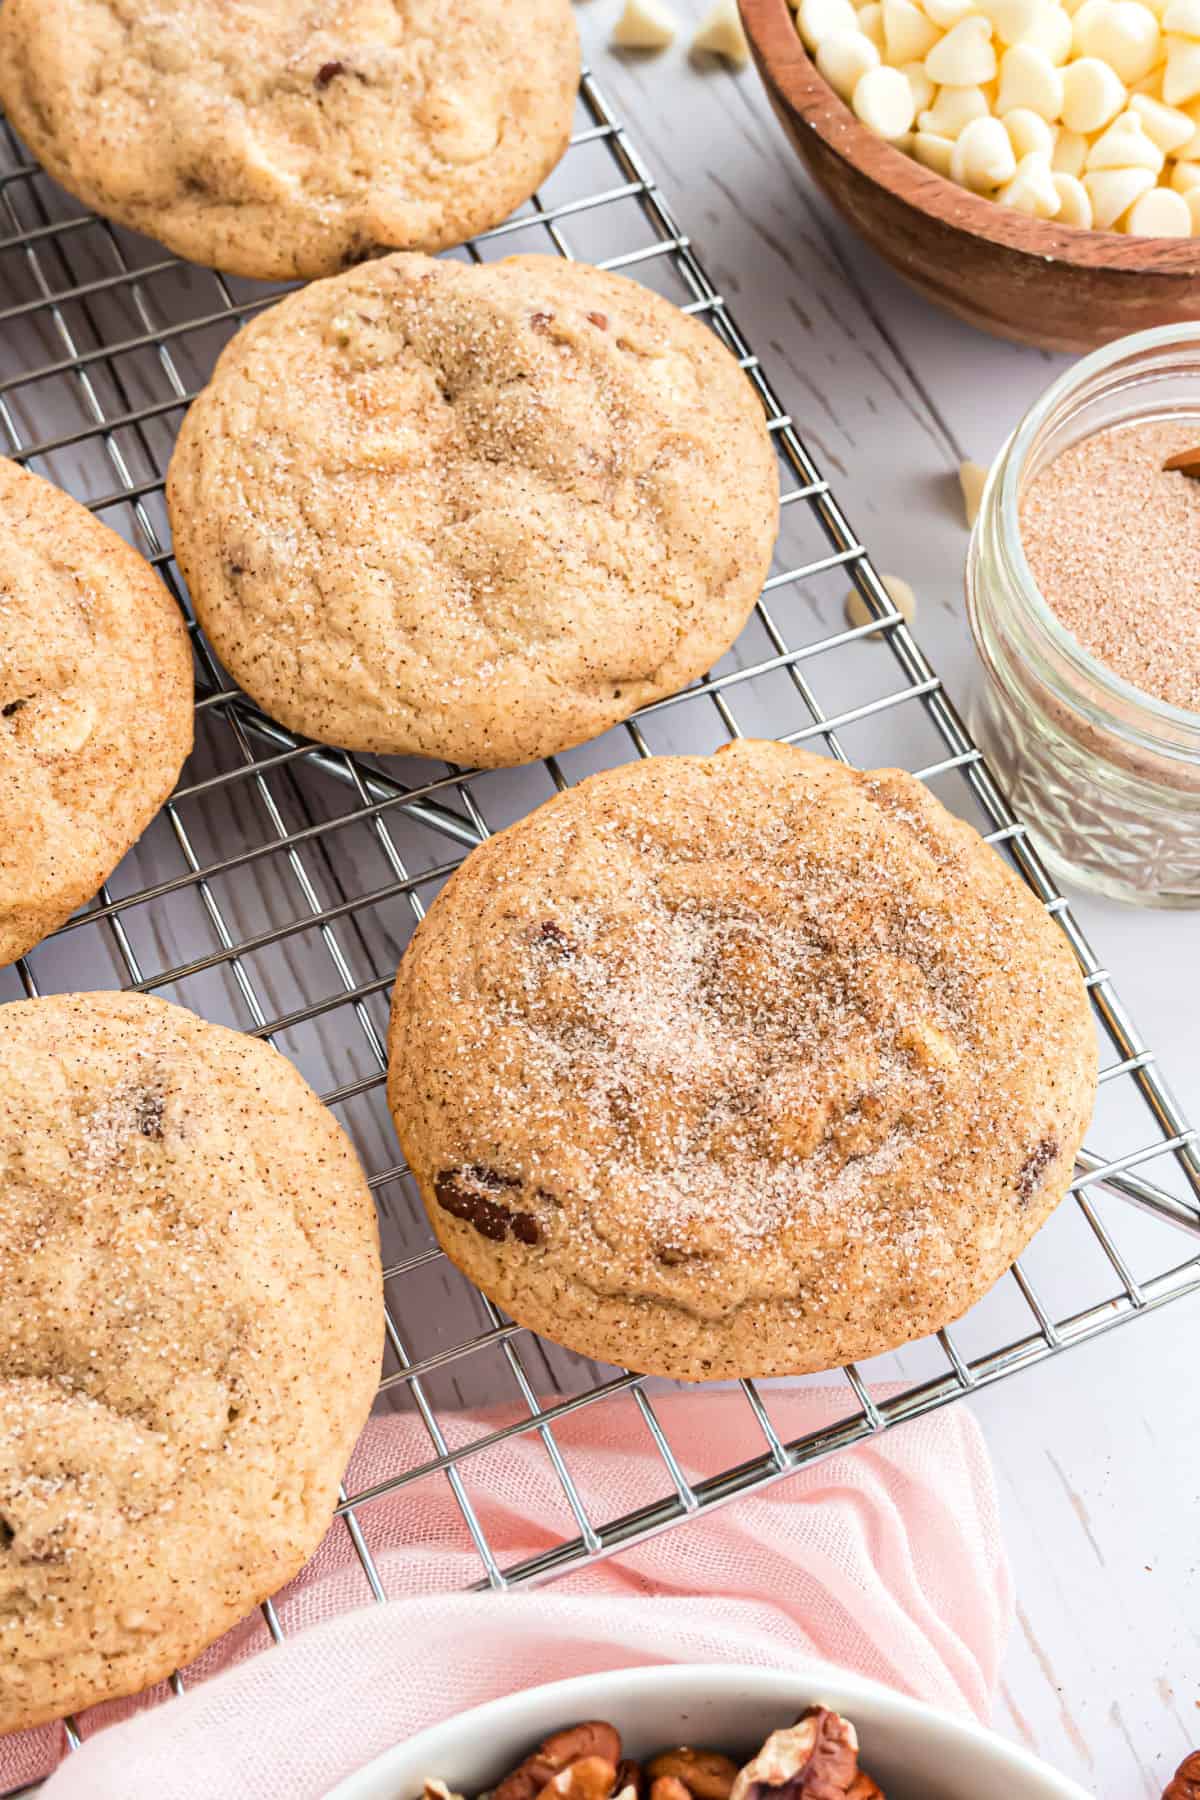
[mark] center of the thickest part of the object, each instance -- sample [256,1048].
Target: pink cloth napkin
[886,1559]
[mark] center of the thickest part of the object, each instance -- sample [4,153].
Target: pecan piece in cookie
[1034,1167]
[469,1194]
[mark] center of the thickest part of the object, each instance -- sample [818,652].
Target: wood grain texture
[1053,286]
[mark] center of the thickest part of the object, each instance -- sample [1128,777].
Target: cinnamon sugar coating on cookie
[479,513]
[95,704]
[280,138]
[191,1327]
[781,1064]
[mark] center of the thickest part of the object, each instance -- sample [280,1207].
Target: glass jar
[1106,777]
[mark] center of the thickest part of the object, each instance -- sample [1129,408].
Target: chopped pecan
[1035,1166]
[594,1738]
[590,1778]
[631,1777]
[817,1759]
[668,1787]
[599,320]
[540,321]
[469,1194]
[327,73]
[1185,1783]
[706,1774]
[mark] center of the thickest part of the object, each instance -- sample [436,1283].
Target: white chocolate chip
[1181,77]
[1029,79]
[1028,131]
[645,25]
[923,89]
[844,59]
[1069,153]
[1051,33]
[1032,188]
[953,108]
[1160,213]
[720,34]
[946,13]
[1121,33]
[934,151]
[818,19]
[971,478]
[1182,17]
[1113,191]
[1074,205]
[907,33]
[1092,94]
[965,56]
[1185,176]
[899,593]
[883,100]
[870,23]
[983,156]
[1165,126]
[1192,201]
[1125,145]
[1011,20]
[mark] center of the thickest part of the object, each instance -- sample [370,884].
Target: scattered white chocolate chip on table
[971,479]
[720,33]
[899,592]
[645,25]
[1084,112]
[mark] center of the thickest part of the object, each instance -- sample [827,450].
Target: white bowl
[914,1752]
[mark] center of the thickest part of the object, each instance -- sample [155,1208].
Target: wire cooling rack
[276,891]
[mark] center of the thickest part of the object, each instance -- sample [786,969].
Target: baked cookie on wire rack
[739,1065]
[281,138]
[472,512]
[191,1328]
[95,704]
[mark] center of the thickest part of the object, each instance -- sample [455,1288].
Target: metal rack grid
[276,890]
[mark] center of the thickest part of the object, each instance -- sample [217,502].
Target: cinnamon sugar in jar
[1083,586]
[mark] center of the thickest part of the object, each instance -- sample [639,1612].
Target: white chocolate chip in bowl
[844,59]
[983,156]
[1032,188]
[1029,131]
[954,107]
[1113,191]
[965,57]
[1029,80]
[908,36]
[1160,212]
[818,19]
[1167,126]
[883,100]
[1092,94]
[1074,202]
[1125,145]
[935,152]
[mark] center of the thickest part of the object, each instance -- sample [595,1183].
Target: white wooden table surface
[1097,1454]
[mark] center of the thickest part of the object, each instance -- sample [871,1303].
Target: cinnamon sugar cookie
[191,1327]
[479,513]
[739,1065]
[95,704]
[283,138]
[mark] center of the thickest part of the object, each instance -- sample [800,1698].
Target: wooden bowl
[1028,279]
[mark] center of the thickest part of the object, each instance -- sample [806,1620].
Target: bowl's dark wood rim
[797,86]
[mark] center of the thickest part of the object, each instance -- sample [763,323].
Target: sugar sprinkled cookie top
[190,1337]
[778,1048]
[95,704]
[276,138]
[480,513]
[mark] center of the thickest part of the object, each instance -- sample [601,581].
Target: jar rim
[1005,477]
